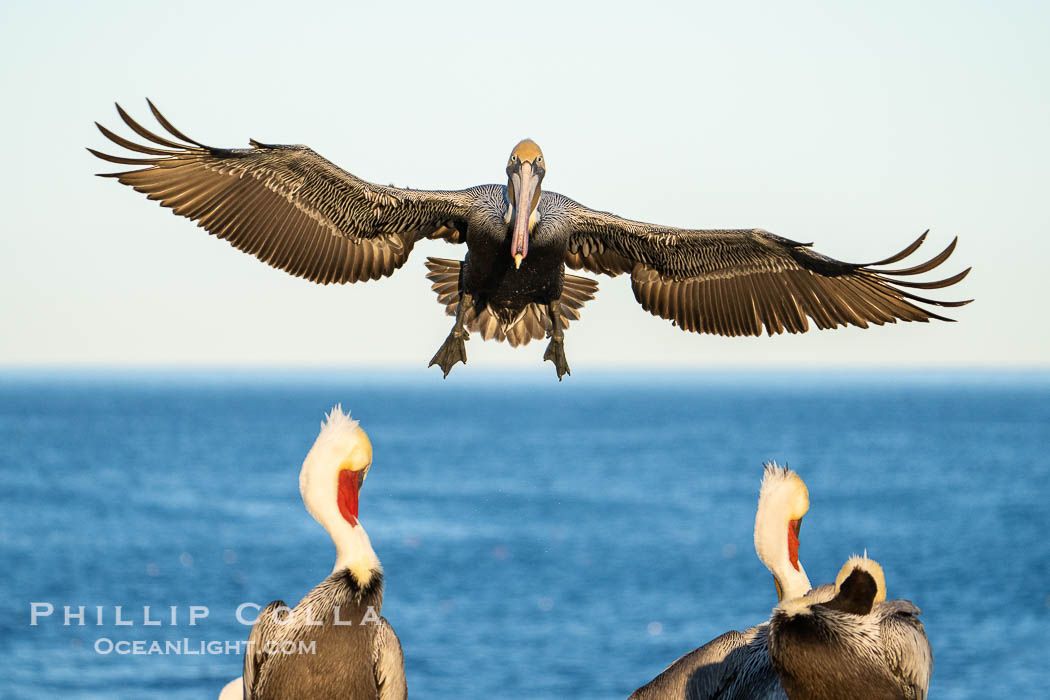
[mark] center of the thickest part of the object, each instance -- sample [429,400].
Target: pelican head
[335,469]
[525,170]
[782,502]
[333,472]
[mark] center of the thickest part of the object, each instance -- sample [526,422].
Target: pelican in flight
[296,211]
[356,653]
[855,645]
[736,665]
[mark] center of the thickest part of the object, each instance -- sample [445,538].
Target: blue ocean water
[540,540]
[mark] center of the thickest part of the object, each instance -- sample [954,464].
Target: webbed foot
[556,354]
[452,351]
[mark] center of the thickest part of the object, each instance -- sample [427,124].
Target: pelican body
[736,665]
[296,211]
[351,651]
[854,645]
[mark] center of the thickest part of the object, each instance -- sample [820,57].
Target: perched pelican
[296,211]
[855,645]
[356,652]
[736,665]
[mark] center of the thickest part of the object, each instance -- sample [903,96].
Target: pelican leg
[556,348]
[454,349]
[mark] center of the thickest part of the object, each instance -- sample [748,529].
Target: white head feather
[340,445]
[783,498]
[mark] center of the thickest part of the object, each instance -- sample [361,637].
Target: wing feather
[741,282]
[265,629]
[147,134]
[926,266]
[733,665]
[389,663]
[286,205]
[167,125]
[905,644]
[739,302]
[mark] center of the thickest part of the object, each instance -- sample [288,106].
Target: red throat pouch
[793,528]
[348,491]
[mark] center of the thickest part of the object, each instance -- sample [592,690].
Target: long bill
[525,183]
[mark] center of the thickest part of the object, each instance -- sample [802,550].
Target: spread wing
[735,282]
[389,663]
[265,629]
[905,644]
[286,205]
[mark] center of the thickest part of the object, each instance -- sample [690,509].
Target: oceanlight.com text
[188,647]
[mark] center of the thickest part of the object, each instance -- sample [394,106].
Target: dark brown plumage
[296,211]
[344,654]
[853,644]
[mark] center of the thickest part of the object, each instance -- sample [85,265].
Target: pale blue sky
[855,125]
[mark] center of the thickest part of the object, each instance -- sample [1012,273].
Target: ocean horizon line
[517,375]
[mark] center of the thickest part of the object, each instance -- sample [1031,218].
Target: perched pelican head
[782,502]
[859,568]
[334,470]
[525,170]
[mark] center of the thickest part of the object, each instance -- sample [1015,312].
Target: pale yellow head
[782,502]
[527,151]
[330,483]
[335,469]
